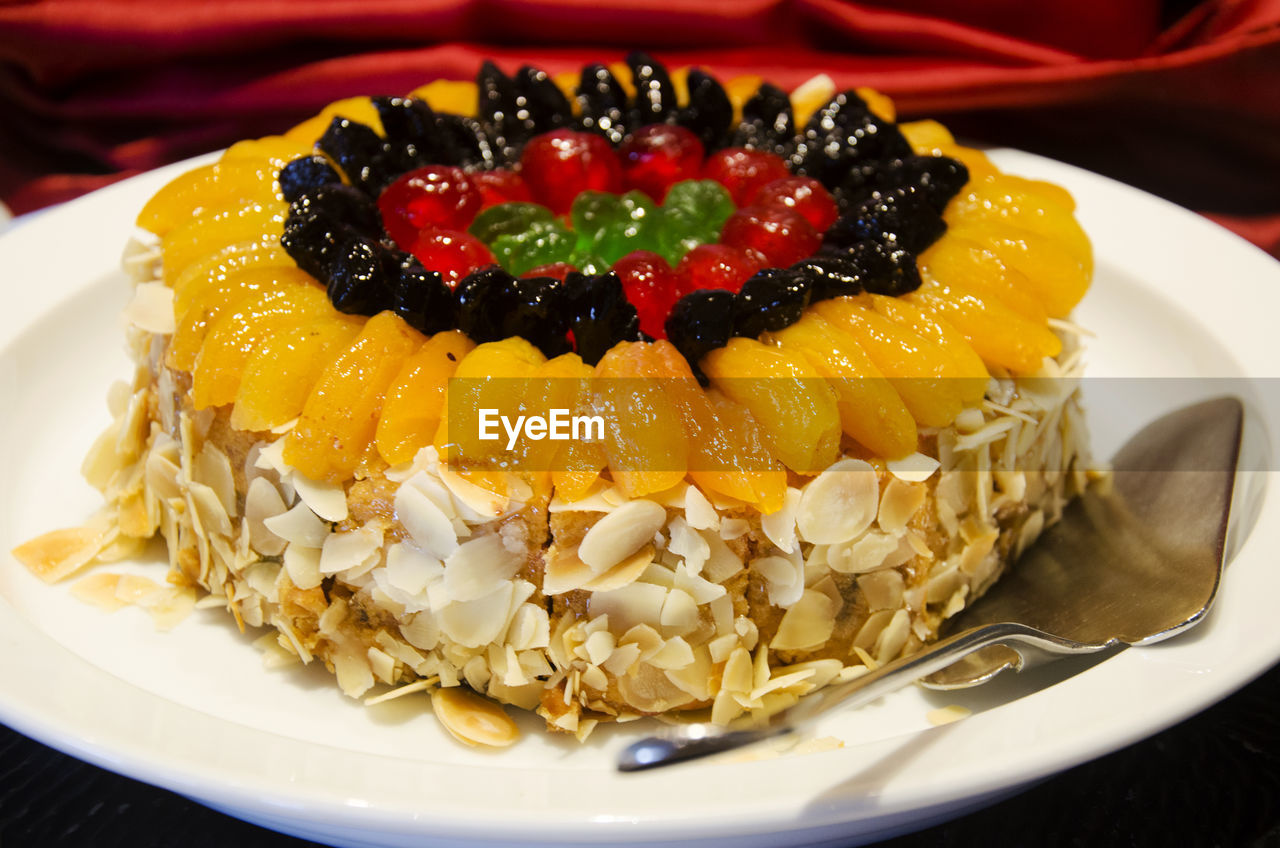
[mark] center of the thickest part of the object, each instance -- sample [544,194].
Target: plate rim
[271,800]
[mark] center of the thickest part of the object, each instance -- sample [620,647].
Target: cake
[821,361]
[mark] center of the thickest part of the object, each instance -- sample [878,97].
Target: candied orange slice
[194,322]
[359,109]
[224,184]
[923,375]
[280,374]
[415,401]
[276,149]
[340,415]
[565,382]
[973,382]
[643,440]
[1001,336]
[237,332]
[493,377]
[209,230]
[457,96]
[958,261]
[795,408]
[227,261]
[726,456]
[1056,276]
[871,410]
[1000,198]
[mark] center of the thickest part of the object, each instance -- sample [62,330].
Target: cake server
[1129,564]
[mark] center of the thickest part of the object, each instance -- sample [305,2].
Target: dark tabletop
[1213,780]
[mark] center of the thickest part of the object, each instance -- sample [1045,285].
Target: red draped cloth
[1178,97]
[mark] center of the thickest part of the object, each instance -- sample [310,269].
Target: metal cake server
[1127,566]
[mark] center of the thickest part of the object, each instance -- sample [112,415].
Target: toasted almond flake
[807,625]
[135,589]
[780,526]
[409,569]
[873,551]
[645,637]
[722,563]
[947,714]
[621,533]
[738,672]
[679,613]
[622,574]
[721,646]
[598,647]
[899,503]
[564,572]
[638,603]
[702,590]
[688,544]
[871,629]
[699,512]
[724,709]
[382,664]
[894,637]
[400,691]
[675,653]
[350,550]
[151,309]
[478,567]
[733,528]
[61,553]
[261,502]
[170,606]
[473,720]
[426,522]
[299,526]
[594,678]
[782,681]
[476,623]
[486,505]
[98,589]
[421,631]
[839,503]
[882,589]
[213,469]
[915,468]
[327,500]
[621,659]
[303,566]
[775,569]
[353,672]
[592,501]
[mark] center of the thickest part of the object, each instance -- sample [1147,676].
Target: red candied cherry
[651,286]
[782,235]
[453,253]
[434,196]
[658,156]
[743,172]
[804,195]
[560,165]
[500,186]
[557,270]
[717,266]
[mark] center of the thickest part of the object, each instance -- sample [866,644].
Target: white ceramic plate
[193,710]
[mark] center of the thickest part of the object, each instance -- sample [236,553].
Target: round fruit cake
[826,357]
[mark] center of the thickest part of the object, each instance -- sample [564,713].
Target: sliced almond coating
[874,550]
[638,603]
[882,589]
[303,566]
[915,468]
[621,533]
[426,522]
[839,503]
[478,567]
[261,502]
[473,720]
[98,589]
[170,606]
[807,625]
[342,551]
[299,526]
[327,500]
[780,526]
[699,512]
[679,613]
[151,308]
[899,503]
[61,553]
[894,637]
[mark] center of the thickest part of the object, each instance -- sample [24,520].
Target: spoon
[1130,564]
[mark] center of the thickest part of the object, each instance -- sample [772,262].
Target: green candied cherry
[542,243]
[638,230]
[693,214]
[508,219]
[592,211]
[588,262]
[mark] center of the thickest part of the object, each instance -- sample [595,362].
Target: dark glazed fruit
[699,323]
[306,174]
[655,99]
[419,296]
[599,314]
[359,152]
[769,301]
[708,113]
[602,102]
[357,278]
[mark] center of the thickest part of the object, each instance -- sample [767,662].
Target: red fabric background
[1180,98]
